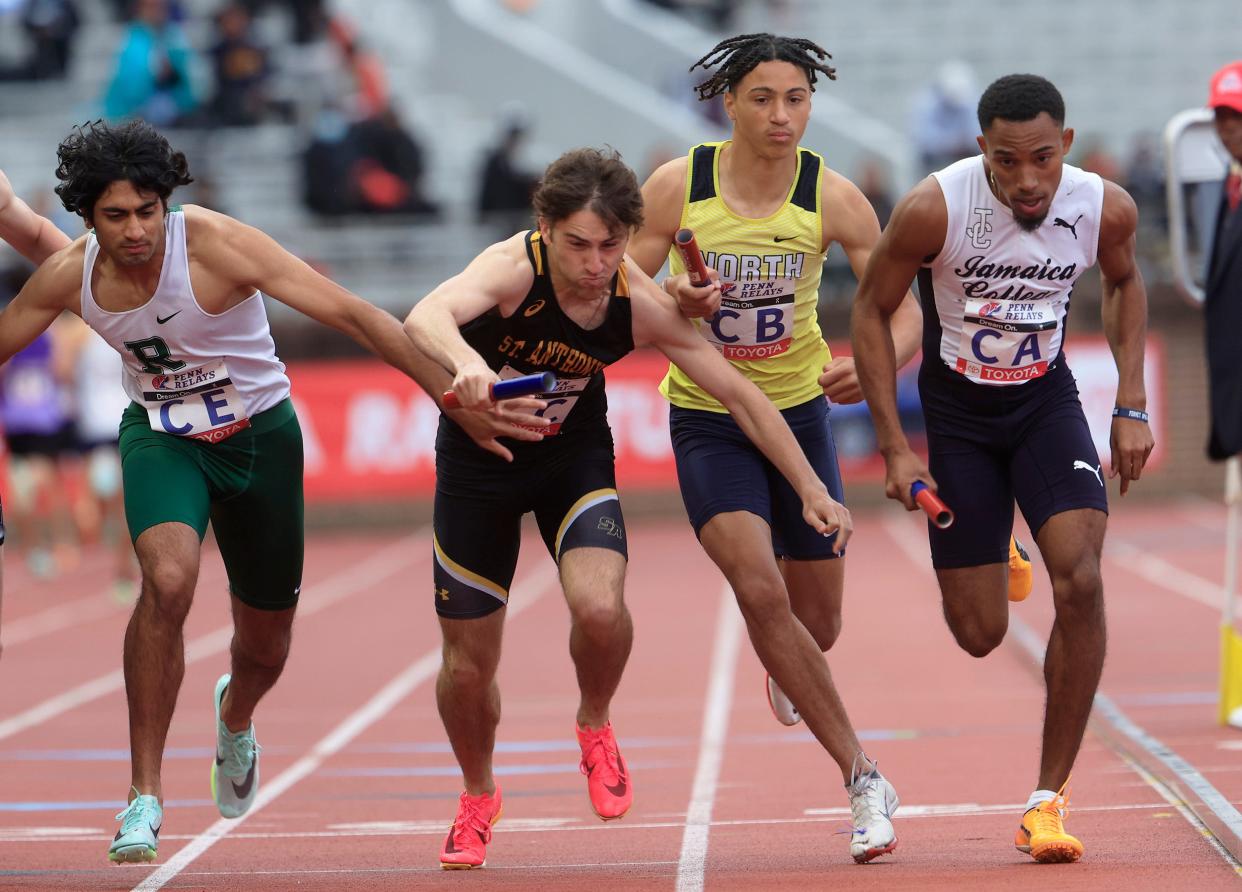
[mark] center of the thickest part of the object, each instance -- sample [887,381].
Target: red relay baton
[931,504]
[524,385]
[690,255]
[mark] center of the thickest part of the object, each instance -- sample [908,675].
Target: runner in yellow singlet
[765,211]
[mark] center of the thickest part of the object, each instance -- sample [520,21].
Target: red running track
[359,786]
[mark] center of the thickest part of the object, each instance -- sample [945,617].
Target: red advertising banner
[370,432]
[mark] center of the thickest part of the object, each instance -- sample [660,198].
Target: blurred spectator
[387,173]
[872,182]
[38,430]
[371,167]
[152,77]
[715,14]
[326,164]
[309,17]
[504,187]
[945,121]
[95,372]
[126,10]
[241,70]
[50,26]
[370,96]
[1222,306]
[1145,182]
[1098,160]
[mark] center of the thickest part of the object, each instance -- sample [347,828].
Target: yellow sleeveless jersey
[769,274]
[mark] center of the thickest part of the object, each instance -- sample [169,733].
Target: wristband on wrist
[1134,414]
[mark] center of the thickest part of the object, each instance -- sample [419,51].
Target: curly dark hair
[594,179]
[96,155]
[1020,97]
[738,57]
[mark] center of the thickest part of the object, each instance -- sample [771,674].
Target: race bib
[1006,341]
[200,403]
[558,403]
[755,320]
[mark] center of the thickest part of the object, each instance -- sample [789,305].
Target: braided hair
[738,56]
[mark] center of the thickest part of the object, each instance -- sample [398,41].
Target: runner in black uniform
[563,299]
[567,480]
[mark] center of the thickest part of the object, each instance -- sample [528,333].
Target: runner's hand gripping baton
[511,387]
[689,250]
[937,510]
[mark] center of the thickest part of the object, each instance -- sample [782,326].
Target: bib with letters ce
[201,403]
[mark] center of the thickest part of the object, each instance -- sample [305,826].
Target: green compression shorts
[249,486]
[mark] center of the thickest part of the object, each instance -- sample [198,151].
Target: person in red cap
[1222,306]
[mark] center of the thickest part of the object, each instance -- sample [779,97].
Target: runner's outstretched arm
[659,323]
[1124,312]
[915,231]
[252,259]
[34,237]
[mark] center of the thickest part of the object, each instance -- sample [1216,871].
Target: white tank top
[1001,293]
[197,374]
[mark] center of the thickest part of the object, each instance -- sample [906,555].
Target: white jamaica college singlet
[1001,292]
[197,374]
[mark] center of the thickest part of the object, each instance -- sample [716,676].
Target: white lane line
[1105,708]
[1185,772]
[692,862]
[1160,572]
[62,616]
[425,667]
[971,809]
[542,869]
[1191,818]
[371,570]
[61,835]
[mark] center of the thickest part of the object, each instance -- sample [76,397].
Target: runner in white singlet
[209,436]
[998,241]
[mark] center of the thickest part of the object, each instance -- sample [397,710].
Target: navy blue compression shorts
[991,445]
[720,470]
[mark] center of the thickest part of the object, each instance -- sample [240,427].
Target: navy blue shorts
[720,469]
[990,445]
[569,483]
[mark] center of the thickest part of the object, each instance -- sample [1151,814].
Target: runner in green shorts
[249,486]
[211,434]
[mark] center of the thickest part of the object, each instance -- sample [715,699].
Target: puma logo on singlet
[1080,465]
[1057,221]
